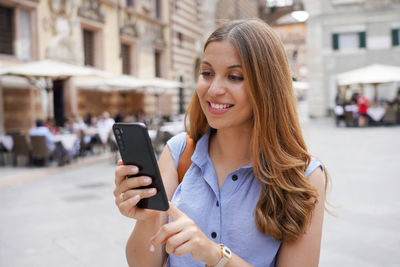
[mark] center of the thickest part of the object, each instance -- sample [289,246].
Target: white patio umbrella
[51,69]
[42,73]
[372,74]
[126,83]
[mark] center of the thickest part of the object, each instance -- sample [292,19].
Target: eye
[206,74]
[236,78]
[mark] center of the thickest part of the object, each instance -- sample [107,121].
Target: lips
[218,108]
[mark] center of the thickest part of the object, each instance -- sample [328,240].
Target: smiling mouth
[220,106]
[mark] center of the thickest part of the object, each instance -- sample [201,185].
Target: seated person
[41,130]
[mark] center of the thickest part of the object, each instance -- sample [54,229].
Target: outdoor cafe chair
[21,149]
[40,152]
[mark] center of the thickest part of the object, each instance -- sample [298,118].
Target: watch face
[227,252]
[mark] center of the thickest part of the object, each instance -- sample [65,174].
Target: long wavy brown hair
[279,153]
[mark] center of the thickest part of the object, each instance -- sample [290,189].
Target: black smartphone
[135,147]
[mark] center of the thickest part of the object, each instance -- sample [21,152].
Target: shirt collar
[201,156]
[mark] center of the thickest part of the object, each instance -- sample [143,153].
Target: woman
[253,195]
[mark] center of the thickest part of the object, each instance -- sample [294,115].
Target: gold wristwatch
[226,256]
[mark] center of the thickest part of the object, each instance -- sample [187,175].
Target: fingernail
[152,248]
[151,191]
[147,180]
[135,198]
[134,169]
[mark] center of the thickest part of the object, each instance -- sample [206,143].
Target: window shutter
[362,39]
[88,46]
[335,41]
[395,37]
[6,30]
[126,59]
[157,58]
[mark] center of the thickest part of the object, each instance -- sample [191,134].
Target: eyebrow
[230,67]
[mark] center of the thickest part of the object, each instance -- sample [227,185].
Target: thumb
[174,212]
[120,163]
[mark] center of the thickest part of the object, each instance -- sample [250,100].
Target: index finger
[174,212]
[122,171]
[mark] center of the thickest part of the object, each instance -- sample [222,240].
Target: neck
[231,146]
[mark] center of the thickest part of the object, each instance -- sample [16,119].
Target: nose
[217,87]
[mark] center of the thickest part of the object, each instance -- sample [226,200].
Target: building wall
[56,32]
[375,18]
[293,36]
[186,36]
[236,9]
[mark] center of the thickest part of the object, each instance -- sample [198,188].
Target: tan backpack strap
[185,159]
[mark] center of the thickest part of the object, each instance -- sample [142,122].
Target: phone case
[136,149]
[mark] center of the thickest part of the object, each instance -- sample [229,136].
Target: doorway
[58,102]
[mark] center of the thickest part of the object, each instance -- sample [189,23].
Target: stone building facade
[293,35]
[116,36]
[186,34]
[343,35]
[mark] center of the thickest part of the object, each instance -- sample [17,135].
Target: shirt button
[213,234]
[234,177]
[217,204]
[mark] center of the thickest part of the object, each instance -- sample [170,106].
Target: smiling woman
[221,89]
[253,195]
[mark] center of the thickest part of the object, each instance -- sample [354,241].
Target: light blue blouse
[225,215]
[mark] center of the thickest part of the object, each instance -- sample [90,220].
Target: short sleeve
[314,164]
[176,145]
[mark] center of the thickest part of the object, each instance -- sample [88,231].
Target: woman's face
[222,89]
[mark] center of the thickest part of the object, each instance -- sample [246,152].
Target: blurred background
[69,69]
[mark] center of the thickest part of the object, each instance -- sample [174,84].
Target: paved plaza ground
[67,217]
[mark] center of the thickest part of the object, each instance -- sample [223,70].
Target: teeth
[220,106]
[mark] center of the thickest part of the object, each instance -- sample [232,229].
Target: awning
[126,83]
[372,74]
[51,69]
[161,86]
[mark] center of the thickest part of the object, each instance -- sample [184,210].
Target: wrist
[215,255]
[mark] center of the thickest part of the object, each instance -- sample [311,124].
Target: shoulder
[176,146]
[316,173]
[314,164]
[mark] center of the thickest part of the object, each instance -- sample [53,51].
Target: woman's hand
[182,236]
[126,194]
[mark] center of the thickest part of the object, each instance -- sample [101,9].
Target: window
[25,44]
[88,47]
[158,9]
[349,41]
[395,37]
[180,39]
[6,30]
[126,58]
[16,32]
[157,58]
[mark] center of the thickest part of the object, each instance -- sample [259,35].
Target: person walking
[253,195]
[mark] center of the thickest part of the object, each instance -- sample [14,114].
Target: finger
[143,193]
[184,248]
[166,231]
[126,206]
[120,163]
[134,182]
[174,212]
[177,240]
[122,171]
[131,183]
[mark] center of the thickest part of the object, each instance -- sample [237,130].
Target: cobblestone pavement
[68,218]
